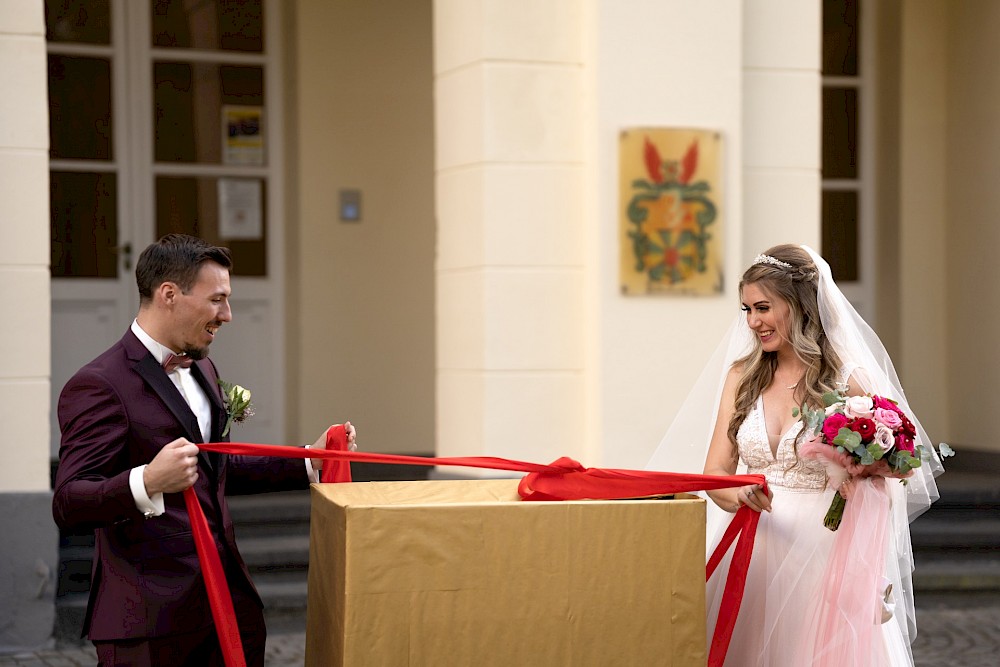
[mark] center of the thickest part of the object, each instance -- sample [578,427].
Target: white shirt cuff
[313,474]
[148,506]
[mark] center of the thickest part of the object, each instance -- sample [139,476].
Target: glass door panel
[80,117]
[78,21]
[840,133]
[84,224]
[195,106]
[226,25]
[840,233]
[224,211]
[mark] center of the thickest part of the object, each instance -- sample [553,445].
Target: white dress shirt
[200,405]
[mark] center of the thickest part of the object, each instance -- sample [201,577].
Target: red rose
[832,426]
[864,427]
[908,428]
[904,443]
[886,404]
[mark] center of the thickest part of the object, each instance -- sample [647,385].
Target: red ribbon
[564,479]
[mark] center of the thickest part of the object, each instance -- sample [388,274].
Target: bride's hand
[754,497]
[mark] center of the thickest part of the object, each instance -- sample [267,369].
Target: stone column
[781,121]
[509,94]
[28,566]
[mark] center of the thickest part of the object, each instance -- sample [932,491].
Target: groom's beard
[196,353]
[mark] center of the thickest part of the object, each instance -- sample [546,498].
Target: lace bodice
[788,469]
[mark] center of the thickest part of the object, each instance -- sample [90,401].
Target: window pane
[190,102]
[840,132]
[840,233]
[840,37]
[82,21]
[84,224]
[80,108]
[228,25]
[190,205]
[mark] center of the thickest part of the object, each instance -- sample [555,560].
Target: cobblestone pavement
[957,631]
[953,631]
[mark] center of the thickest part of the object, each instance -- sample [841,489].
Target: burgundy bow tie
[173,361]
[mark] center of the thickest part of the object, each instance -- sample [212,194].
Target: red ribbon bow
[564,479]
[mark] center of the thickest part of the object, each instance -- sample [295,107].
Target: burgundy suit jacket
[116,413]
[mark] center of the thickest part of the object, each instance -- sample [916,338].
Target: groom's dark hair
[176,258]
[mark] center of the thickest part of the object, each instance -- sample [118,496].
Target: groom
[130,421]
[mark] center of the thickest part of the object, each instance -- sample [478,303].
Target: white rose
[859,406]
[884,437]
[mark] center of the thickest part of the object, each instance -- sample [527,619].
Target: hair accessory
[767,259]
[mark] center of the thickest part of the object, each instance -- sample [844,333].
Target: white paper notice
[240,215]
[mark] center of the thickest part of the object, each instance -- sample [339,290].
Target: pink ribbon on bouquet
[564,479]
[850,608]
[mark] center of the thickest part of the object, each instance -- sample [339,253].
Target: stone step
[270,514]
[957,571]
[268,554]
[283,594]
[973,529]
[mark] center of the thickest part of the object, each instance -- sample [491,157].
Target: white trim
[213,170]
[175,54]
[85,50]
[843,184]
[89,166]
[842,81]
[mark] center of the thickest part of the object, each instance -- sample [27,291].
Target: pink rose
[858,406]
[832,426]
[904,442]
[884,436]
[890,418]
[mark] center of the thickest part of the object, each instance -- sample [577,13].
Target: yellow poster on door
[242,135]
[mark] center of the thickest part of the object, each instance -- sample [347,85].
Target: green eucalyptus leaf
[875,450]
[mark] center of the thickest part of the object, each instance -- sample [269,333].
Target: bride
[813,596]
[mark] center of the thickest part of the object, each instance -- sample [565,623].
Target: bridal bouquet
[860,436]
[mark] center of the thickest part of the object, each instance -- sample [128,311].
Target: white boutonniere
[237,402]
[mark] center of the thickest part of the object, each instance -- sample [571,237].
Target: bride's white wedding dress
[777,618]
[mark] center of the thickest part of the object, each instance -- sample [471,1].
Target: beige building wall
[24,249]
[924,240]
[970,228]
[757,82]
[533,351]
[361,295]
[649,349]
[539,355]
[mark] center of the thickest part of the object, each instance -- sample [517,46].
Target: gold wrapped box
[442,573]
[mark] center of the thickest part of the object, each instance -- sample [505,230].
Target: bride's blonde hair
[787,272]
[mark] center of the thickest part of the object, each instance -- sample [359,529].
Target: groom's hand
[173,469]
[320,443]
